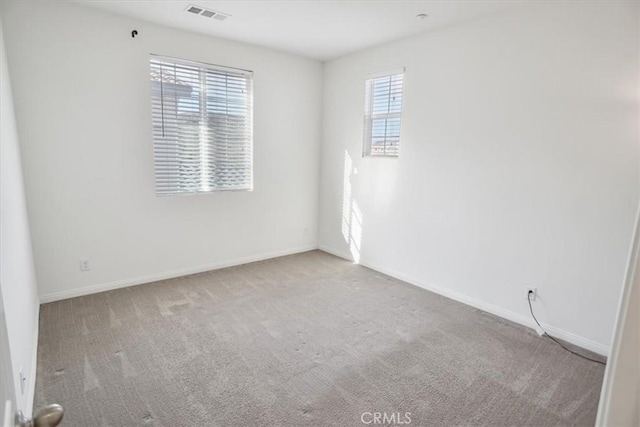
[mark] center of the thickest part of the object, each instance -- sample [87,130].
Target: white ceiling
[319,29]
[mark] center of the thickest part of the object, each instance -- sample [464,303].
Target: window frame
[370,117]
[202,69]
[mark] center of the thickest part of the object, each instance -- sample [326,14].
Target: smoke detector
[207,13]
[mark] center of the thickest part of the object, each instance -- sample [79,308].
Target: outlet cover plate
[23,380]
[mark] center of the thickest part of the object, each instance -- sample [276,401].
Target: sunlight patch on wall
[351,213]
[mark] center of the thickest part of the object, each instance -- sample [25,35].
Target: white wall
[518,164]
[83,108]
[17,274]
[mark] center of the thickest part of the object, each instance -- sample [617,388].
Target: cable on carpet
[555,340]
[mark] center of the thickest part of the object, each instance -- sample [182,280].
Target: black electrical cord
[555,340]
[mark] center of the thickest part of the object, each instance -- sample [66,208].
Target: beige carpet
[303,340]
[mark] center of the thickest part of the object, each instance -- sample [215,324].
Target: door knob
[49,416]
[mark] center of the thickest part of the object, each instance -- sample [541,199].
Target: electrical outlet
[534,295]
[84,265]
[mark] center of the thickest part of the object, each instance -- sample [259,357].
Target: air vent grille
[207,13]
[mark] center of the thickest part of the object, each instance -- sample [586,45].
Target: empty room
[319,213]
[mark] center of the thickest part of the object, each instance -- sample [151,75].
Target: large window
[383,114]
[202,127]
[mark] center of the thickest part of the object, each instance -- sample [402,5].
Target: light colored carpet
[302,340]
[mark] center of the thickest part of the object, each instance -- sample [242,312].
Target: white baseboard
[339,254]
[31,392]
[490,308]
[570,337]
[93,289]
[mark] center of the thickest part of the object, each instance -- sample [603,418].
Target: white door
[50,415]
[7,393]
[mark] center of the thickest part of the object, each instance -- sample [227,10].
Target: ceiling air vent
[207,13]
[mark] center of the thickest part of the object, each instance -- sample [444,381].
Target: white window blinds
[202,127]
[383,114]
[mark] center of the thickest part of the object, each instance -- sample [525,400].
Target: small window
[202,127]
[383,114]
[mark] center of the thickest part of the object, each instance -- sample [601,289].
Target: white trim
[339,254]
[623,305]
[9,417]
[198,64]
[31,392]
[386,73]
[490,308]
[87,290]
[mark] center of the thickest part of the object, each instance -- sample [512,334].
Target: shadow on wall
[351,213]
